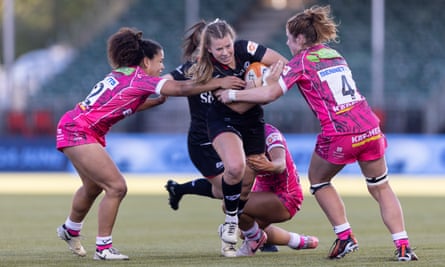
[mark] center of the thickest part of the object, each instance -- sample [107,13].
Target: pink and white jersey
[287,182]
[325,81]
[117,96]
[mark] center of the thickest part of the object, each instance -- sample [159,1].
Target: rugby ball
[255,71]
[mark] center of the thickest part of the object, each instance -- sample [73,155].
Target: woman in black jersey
[201,151]
[236,131]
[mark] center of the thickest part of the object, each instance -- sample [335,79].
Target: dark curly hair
[127,48]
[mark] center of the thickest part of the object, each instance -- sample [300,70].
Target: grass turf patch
[154,235]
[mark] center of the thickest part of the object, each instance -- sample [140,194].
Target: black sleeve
[251,50]
[179,74]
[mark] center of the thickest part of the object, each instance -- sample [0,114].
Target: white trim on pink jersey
[159,86]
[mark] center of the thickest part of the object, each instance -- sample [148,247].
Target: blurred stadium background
[59,52]
[54,51]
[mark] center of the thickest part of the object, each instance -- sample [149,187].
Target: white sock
[401,235]
[253,233]
[73,225]
[294,240]
[342,227]
[104,240]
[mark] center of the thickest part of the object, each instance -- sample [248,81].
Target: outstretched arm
[189,87]
[152,102]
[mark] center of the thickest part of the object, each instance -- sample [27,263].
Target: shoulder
[249,46]
[143,80]
[126,71]
[240,42]
[322,52]
[180,73]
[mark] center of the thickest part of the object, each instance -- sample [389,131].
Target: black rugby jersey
[246,52]
[198,106]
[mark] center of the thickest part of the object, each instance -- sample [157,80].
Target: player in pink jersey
[349,129]
[276,196]
[137,64]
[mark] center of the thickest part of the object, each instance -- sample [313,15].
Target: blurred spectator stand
[43,122]
[17,122]
[30,122]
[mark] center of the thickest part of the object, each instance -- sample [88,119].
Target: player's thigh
[373,168]
[266,206]
[93,163]
[229,147]
[321,170]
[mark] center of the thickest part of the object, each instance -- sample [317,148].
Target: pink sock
[400,242]
[73,232]
[102,247]
[345,234]
[302,242]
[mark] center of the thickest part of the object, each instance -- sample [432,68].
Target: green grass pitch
[154,235]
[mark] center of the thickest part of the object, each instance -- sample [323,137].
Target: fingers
[278,67]
[275,72]
[232,82]
[219,95]
[258,157]
[255,162]
[239,84]
[258,162]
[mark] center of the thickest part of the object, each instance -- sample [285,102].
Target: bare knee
[234,171]
[117,190]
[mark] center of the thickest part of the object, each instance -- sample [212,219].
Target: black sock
[200,187]
[241,205]
[231,197]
